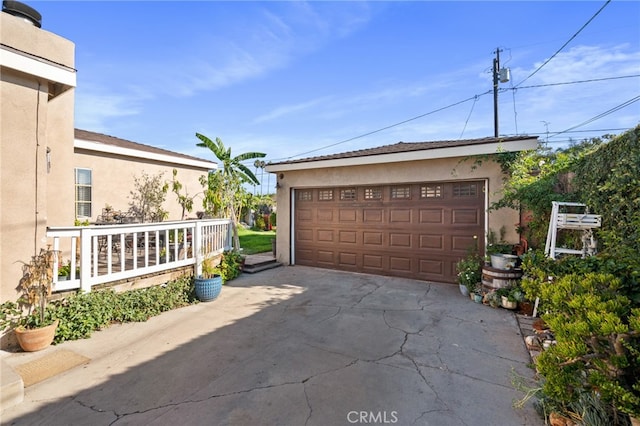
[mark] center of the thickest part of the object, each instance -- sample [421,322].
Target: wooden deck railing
[102,254]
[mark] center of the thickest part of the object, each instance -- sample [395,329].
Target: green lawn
[253,242]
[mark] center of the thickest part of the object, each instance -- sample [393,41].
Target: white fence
[101,254]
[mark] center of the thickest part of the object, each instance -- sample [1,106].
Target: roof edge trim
[134,153]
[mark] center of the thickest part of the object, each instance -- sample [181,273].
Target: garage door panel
[304,215]
[347,259]
[400,216]
[399,240]
[304,235]
[463,242]
[326,257]
[399,264]
[324,235]
[348,215]
[419,236]
[430,216]
[304,255]
[431,267]
[465,217]
[324,215]
[347,237]
[431,241]
[372,261]
[372,216]
[372,239]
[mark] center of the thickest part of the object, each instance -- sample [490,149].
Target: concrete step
[254,265]
[11,386]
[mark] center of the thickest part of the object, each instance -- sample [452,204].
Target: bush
[230,266]
[82,314]
[596,327]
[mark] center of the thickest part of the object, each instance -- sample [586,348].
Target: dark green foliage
[592,305]
[82,314]
[608,181]
[230,266]
[469,270]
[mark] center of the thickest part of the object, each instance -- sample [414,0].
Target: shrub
[82,314]
[230,266]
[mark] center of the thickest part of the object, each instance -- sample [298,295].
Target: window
[304,195]
[465,190]
[372,193]
[325,194]
[83,193]
[348,194]
[398,192]
[431,191]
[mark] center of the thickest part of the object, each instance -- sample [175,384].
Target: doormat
[49,365]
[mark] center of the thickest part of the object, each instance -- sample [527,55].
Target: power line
[386,127]
[603,114]
[565,45]
[593,80]
[474,98]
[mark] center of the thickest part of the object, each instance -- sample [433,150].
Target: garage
[413,230]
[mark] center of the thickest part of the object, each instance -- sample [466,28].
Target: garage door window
[461,190]
[348,194]
[431,191]
[372,194]
[325,194]
[304,195]
[400,192]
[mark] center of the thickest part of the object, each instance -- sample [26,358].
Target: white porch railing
[101,254]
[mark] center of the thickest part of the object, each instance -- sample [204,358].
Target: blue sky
[299,79]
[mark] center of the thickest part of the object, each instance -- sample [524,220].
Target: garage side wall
[438,170]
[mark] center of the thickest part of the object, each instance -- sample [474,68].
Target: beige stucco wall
[114,178]
[29,123]
[446,169]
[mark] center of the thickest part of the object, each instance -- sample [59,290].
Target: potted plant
[34,329]
[469,271]
[64,271]
[208,285]
[500,252]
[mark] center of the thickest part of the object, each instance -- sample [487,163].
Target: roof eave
[134,153]
[424,154]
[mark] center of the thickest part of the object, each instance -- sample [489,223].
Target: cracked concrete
[296,346]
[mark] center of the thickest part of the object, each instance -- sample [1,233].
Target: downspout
[36,199]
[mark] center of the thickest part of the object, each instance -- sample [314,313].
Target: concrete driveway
[296,346]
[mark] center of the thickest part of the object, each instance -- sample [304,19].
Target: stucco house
[407,209]
[50,172]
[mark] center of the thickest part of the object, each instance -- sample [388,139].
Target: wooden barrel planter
[499,278]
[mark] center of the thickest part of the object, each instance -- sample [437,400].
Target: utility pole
[496,67]
[501,75]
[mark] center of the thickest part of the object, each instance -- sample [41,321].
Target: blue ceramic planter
[208,289]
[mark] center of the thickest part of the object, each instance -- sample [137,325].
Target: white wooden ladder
[584,222]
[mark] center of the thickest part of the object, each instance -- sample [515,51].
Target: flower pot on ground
[508,304]
[463,290]
[28,317]
[469,271]
[208,285]
[208,289]
[477,297]
[36,339]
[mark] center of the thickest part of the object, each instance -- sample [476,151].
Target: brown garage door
[416,230]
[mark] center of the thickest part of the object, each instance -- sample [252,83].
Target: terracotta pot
[36,339]
[526,308]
